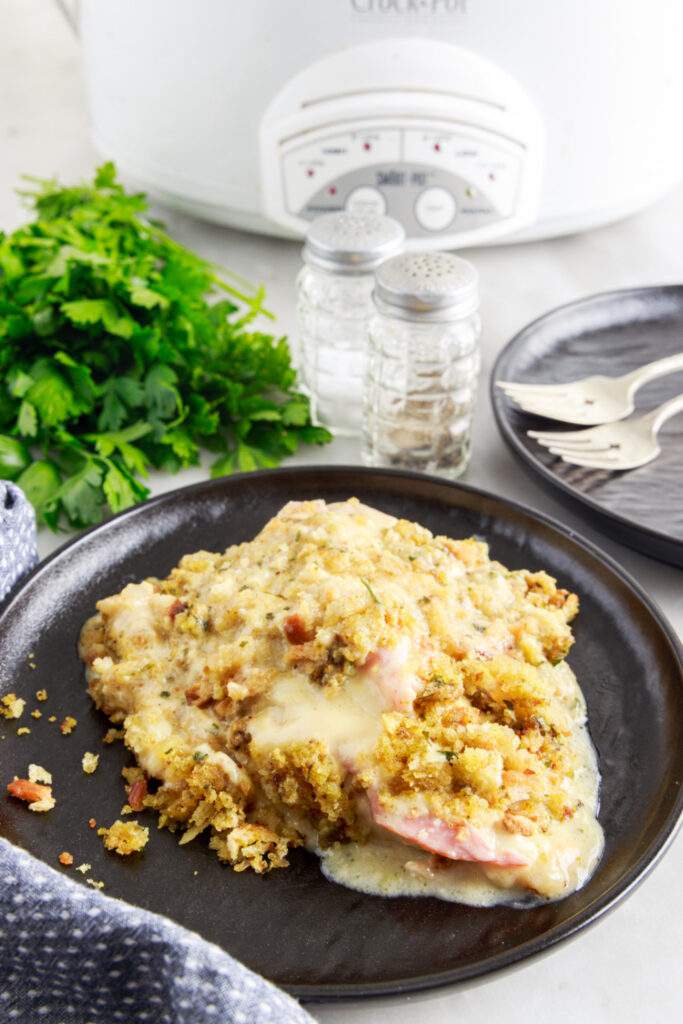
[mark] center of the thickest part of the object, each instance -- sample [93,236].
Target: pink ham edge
[455,842]
[387,669]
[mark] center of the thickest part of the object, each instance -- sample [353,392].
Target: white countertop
[625,968]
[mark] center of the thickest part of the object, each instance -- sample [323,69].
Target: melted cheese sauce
[348,721]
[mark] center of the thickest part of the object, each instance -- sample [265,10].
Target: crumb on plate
[66,858]
[36,713]
[23,731]
[84,868]
[12,706]
[68,725]
[37,773]
[89,762]
[124,837]
[92,823]
[41,694]
[111,735]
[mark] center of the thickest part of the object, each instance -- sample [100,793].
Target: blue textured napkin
[69,955]
[17,536]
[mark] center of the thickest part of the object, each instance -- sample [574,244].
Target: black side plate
[318,939]
[612,333]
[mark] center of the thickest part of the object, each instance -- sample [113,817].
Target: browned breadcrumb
[68,725]
[124,837]
[36,713]
[92,823]
[89,762]
[37,773]
[23,731]
[12,706]
[111,735]
[66,858]
[41,694]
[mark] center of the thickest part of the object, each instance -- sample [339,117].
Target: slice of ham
[387,668]
[455,842]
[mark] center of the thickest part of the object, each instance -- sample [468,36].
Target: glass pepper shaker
[423,363]
[334,305]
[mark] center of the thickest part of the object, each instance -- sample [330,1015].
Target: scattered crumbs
[111,735]
[95,885]
[36,713]
[32,665]
[23,731]
[31,655]
[195,872]
[36,773]
[66,858]
[124,837]
[92,823]
[90,762]
[126,809]
[68,725]
[12,706]
[41,694]
[52,718]
[84,868]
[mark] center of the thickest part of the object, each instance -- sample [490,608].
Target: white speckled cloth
[69,955]
[17,536]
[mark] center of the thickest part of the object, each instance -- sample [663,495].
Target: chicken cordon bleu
[396,702]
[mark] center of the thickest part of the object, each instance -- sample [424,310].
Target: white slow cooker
[471,121]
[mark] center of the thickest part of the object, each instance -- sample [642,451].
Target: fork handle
[659,368]
[662,413]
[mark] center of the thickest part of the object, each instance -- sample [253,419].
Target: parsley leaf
[121,350]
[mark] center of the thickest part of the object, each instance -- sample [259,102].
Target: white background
[627,968]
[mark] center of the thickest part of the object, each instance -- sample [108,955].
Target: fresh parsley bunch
[120,350]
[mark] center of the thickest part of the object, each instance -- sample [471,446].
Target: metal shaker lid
[429,286]
[352,243]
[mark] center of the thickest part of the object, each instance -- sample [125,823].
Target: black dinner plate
[318,939]
[611,333]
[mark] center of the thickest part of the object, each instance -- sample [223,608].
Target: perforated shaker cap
[352,243]
[432,286]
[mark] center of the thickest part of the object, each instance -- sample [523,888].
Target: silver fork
[613,446]
[589,401]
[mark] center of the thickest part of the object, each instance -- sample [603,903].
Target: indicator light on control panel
[332,190]
[309,172]
[492,176]
[367,146]
[437,147]
[470,192]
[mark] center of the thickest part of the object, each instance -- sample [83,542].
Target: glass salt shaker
[422,365]
[334,305]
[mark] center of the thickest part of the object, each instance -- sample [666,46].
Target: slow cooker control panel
[436,181]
